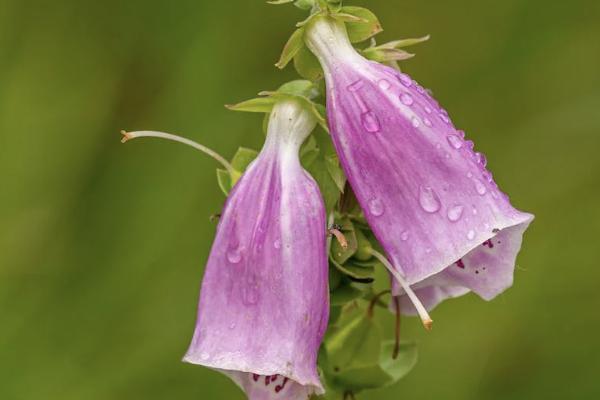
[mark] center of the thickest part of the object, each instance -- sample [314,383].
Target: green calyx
[392,51]
[361,24]
[302,91]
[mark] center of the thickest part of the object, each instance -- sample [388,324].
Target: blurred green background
[102,245]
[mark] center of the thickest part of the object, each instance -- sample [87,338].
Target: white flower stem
[162,135]
[425,318]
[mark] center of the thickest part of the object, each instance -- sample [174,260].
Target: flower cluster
[385,204]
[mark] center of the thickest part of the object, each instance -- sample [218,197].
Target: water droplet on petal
[461,134]
[481,159]
[277,244]
[454,141]
[444,118]
[234,256]
[384,84]
[376,207]
[370,122]
[415,122]
[469,174]
[469,144]
[427,110]
[427,122]
[455,213]
[232,325]
[487,175]
[429,200]
[480,187]
[471,234]
[405,79]
[404,236]
[356,86]
[406,99]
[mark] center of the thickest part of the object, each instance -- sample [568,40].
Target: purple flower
[444,224]
[264,301]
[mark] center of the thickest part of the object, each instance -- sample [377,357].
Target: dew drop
[454,141]
[419,88]
[461,134]
[406,99]
[232,325]
[481,159]
[234,256]
[356,86]
[455,213]
[429,200]
[487,175]
[376,207]
[444,118]
[405,79]
[384,84]
[415,122]
[427,122]
[427,110]
[469,174]
[370,122]
[277,244]
[480,187]
[471,234]
[404,236]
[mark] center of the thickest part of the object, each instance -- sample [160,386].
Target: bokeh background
[102,245]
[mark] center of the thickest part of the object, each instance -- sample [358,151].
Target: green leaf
[293,45]
[355,344]
[307,65]
[333,167]
[303,88]
[260,104]
[400,366]
[318,170]
[224,180]
[344,294]
[367,27]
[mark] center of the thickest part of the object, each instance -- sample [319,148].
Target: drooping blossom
[445,226]
[264,305]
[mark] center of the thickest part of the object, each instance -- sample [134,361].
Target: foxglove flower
[264,300]
[442,221]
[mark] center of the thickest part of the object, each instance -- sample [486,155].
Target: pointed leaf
[224,180]
[260,104]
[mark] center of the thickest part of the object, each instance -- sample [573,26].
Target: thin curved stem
[162,135]
[425,318]
[397,326]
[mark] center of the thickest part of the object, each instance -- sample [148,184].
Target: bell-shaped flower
[264,300]
[445,226]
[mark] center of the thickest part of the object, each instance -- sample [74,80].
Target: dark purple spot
[488,243]
[279,388]
[495,230]
[256,377]
[460,264]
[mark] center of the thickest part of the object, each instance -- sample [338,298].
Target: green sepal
[307,65]
[293,45]
[278,2]
[355,272]
[340,254]
[366,26]
[259,104]
[240,161]
[386,55]
[398,44]
[364,247]
[224,180]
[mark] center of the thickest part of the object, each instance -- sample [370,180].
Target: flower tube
[264,300]
[445,226]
